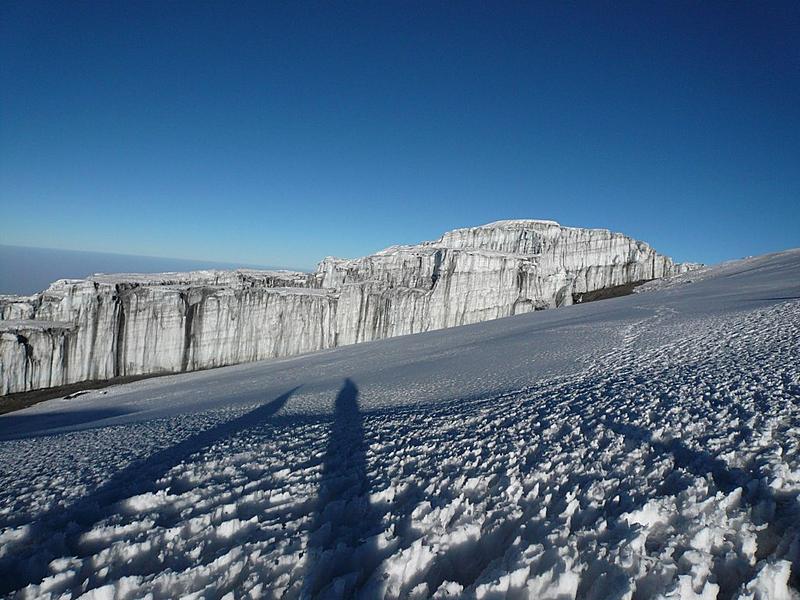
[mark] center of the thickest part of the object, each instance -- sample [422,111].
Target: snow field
[668,466]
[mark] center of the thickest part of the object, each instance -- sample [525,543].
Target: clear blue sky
[279,132]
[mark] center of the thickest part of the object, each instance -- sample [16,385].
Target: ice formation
[115,325]
[644,447]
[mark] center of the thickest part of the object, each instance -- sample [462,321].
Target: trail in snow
[643,447]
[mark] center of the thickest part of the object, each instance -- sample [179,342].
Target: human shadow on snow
[15,426]
[57,532]
[341,552]
[341,555]
[697,462]
[776,511]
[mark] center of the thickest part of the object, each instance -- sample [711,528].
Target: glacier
[647,446]
[109,326]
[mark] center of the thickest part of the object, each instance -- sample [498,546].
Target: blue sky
[280,132]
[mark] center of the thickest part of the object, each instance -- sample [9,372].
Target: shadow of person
[19,426]
[697,462]
[341,551]
[57,532]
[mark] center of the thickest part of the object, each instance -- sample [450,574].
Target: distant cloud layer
[29,270]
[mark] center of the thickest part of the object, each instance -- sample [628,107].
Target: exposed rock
[109,326]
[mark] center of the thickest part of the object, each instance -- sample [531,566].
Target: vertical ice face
[480,273]
[115,325]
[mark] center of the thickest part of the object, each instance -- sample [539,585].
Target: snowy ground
[641,447]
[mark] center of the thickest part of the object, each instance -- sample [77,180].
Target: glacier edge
[108,326]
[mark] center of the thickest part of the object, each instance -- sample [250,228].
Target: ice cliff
[108,326]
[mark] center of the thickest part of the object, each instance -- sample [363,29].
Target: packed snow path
[642,447]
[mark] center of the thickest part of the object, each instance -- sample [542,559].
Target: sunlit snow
[641,447]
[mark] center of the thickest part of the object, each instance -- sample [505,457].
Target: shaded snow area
[640,447]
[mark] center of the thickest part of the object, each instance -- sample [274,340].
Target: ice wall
[115,325]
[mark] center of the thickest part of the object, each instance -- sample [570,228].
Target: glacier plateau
[647,447]
[109,326]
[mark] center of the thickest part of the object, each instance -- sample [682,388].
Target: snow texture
[115,325]
[640,447]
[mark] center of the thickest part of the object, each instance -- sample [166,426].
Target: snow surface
[641,447]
